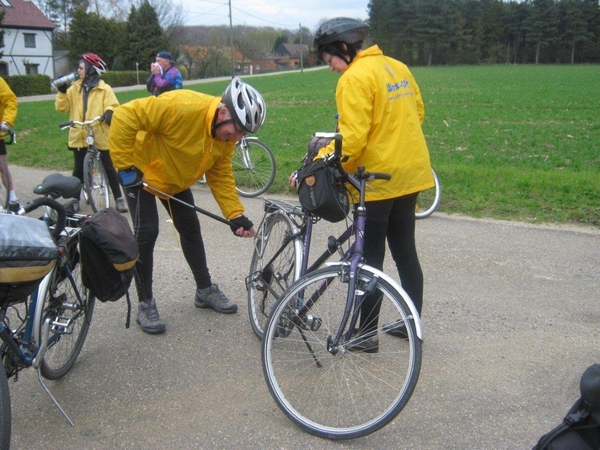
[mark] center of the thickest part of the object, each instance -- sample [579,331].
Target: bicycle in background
[95,182]
[315,362]
[253,167]
[44,322]
[429,200]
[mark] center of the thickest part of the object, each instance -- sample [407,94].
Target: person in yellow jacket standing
[380,115]
[8,115]
[169,142]
[86,98]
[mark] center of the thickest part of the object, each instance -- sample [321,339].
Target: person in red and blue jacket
[165,75]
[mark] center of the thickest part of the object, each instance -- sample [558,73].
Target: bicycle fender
[395,285]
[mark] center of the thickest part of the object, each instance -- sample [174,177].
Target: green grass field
[509,142]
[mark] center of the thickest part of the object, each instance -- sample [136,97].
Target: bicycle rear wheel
[253,167]
[69,305]
[5,412]
[5,186]
[329,390]
[269,279]
[95,182]
[428,201]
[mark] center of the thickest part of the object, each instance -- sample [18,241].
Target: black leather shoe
[370,345]
[397,330]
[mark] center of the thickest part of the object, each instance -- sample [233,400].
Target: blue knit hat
[165,55]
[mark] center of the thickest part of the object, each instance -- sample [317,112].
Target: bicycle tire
[256,174]
[65,300]
[95,182]
[351,394]
[266,284]
[6,183]
[5,412]
[429,200]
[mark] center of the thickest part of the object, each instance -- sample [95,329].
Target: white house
[27,46]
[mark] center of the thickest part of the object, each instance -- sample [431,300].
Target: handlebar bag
[27,254]
[321,192]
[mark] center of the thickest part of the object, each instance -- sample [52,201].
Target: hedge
[28,85]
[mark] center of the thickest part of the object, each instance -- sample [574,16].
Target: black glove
[131,177]
[240,221]
[62,88]
[107,116]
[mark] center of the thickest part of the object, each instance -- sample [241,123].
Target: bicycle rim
[428,200]
[5,186]
[267,282]
[96,183]
[253,169]
[344,394]
[69,305]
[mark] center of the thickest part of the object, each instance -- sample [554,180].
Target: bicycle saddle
[58,185]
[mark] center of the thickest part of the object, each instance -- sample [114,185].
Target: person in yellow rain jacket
[8,115]
[380,112]
[169,142]
[85,99]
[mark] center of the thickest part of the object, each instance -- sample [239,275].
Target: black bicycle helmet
[341,29]
[245,104]
[96,64]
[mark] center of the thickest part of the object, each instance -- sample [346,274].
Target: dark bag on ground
[109,251]
[321,192]
[580,429]
[27,254]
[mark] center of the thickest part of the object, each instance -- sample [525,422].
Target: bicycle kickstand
[37,361]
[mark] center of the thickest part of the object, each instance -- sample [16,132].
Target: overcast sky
[271,13]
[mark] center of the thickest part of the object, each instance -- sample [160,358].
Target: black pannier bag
[109,252]
[27,254]
[580,429]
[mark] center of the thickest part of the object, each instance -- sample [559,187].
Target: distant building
[27,46]
[290,55]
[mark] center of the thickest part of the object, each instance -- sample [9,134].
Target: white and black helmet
[245,104]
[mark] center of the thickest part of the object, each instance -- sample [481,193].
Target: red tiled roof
[24,14]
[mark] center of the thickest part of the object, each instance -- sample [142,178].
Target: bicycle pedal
[61,325]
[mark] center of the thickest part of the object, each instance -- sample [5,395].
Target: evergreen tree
[144,38]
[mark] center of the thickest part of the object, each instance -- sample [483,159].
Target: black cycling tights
[144,214]
[393,220]
[111,173]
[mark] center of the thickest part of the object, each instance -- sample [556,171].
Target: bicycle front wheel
[5,186]
[330,388]
[5,412]
[95,182]
[69,306]
[428,200]
[274,267]
[253,167]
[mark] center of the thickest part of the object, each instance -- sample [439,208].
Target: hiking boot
[121,205]
[397,329]
[148,318]
[212,297]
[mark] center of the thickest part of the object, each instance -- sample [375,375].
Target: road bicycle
[44,326]
[95,182]
[5,177]
[429,200]
[316,368]
[253,167]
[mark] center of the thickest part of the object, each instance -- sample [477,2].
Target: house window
[29,40]
[31,69]
[3,69]
[5,3]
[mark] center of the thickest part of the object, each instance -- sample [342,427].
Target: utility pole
[301,56]
[231,42]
